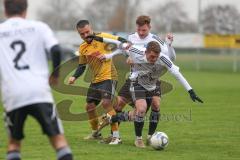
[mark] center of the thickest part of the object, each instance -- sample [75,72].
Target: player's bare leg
[120,104]
[14,149]
[60,144]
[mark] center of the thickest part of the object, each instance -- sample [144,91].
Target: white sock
[139,137]
[116,134]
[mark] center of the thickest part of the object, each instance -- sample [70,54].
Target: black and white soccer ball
[159,140]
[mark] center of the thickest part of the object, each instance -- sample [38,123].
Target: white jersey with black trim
[23,63]
[147,74]
[142,42]
[144,73]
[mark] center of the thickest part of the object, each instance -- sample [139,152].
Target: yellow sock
[114,126]
[94,123]
[93,119]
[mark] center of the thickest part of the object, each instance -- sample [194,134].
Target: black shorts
[139,92]
[44,113]
[125,93]
[102,90]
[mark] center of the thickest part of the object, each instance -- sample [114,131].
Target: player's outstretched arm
[79,71]
[174,70]
[120,42]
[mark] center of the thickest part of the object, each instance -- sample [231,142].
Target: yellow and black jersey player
[104,77]
[89,53]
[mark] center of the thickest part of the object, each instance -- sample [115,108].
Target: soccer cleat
[105,120]
[148,142]
[115,141]
[139,143]
[106,140]
[93,136]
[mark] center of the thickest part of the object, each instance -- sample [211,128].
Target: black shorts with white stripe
[125,93]
[139,92]
[44,113]
[101,90]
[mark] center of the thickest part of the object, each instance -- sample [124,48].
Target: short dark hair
[15,7]
[142,20]
[82,23]
[154,47]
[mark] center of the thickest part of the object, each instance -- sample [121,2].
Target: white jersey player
[146,73]
[148,64]
[141,38]
[23,62]
[166,47]
[24,78]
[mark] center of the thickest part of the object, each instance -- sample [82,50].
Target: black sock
[64,153]
[13,155]
[138,125]
[153,122]
[120,117]
[119,113]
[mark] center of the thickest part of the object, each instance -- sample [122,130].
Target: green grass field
[196,131]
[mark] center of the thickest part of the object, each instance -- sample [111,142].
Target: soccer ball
[159,140]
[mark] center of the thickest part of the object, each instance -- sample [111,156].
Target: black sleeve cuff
[79,71]
[56,59]
[122,40]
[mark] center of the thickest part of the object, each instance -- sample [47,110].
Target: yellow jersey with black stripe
[88,55]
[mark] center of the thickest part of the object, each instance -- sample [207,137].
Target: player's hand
[102,57]
[125,46]
[53,80]
[169,39]
[71,80]
[193,96]
[129,61]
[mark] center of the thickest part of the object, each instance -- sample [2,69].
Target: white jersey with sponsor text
[23,62]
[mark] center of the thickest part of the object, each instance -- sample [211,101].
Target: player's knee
[141,110]
[155,105]
[141,106]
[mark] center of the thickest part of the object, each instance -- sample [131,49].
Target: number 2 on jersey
[19,54]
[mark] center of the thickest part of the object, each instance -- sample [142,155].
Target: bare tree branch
[221,19]
[60,14]
[172,18]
